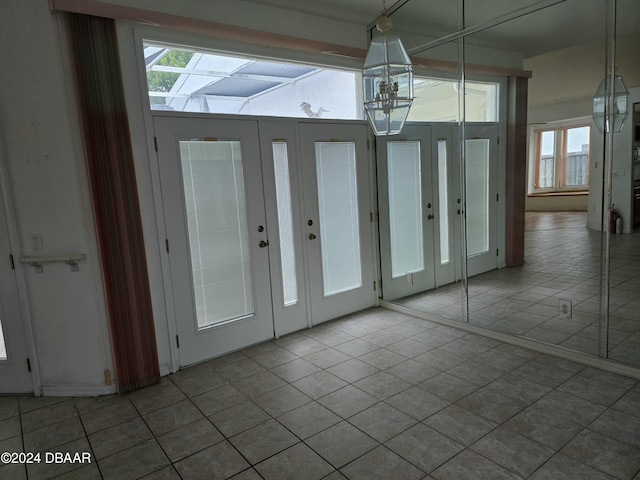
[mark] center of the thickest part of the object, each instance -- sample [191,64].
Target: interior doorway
[268,227]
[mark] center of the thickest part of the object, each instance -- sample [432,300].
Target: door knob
[431,217]
[263,244]
[311,236]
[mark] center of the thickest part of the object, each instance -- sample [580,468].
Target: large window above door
[192,80]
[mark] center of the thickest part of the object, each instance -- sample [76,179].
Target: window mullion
[561,158]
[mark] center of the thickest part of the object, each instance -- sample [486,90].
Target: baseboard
[165,369]
[77,390]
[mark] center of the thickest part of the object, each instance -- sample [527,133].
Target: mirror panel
[624,248]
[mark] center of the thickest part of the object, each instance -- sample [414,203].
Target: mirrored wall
[507,225]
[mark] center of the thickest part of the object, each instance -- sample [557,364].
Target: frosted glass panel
[338,209]
[443,197]
[285,223]
[477,181]
[405,208]
[217,225]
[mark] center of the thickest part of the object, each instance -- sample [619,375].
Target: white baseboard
[165,369]
[77,390]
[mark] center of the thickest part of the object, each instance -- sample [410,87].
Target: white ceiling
[571,22]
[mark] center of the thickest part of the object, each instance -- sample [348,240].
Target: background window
[562,158]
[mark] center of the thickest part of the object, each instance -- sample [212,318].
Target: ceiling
[568,23]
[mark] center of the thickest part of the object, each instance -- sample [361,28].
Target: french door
[419,205]
[215,224]
[338,219]
[267,225]
[482,199]
[14,369]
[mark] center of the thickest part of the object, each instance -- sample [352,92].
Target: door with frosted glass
[337,221]
[14,370]
[482,199]
[281,174]
[416,195]
[217,242]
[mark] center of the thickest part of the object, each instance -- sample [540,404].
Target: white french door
[419,206]
[216,234]
[481,188]
[338,219]
[14,369]
[267,225]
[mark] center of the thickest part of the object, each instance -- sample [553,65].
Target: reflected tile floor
[562,263]
[374,395]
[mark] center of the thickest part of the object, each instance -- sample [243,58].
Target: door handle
[311,236]
[263,244]
[431,217]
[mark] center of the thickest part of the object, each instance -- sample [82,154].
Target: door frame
[224,336]
[20,279]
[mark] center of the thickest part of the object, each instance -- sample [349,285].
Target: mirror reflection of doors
[419,204]
[242,265]
[422,210]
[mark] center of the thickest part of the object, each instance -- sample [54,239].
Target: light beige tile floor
[562,262]
[375,395]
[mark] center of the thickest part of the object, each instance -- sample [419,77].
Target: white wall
[562,88]
[46,180]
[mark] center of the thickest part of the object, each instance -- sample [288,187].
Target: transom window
[190,80]
[436,100]
[562,159]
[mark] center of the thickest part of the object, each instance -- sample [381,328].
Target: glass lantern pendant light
[387,81]
[620,104]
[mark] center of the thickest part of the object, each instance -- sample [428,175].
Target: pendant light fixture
[387,80]
[620,104]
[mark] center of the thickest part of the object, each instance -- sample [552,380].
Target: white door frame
[22,301]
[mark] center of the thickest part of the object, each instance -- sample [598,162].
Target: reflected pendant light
[387,81]
[620,105]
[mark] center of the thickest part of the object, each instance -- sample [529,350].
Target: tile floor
[562,262]
[375,395]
